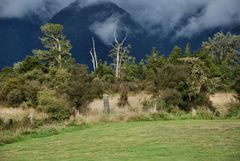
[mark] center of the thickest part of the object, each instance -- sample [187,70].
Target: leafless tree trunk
[93,54]
[118,47]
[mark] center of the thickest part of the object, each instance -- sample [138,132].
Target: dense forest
[52,82]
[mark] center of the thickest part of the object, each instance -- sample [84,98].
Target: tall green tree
[224,48]
[175,54]
[154,64]
[57,53]
[78,88]
[188,50]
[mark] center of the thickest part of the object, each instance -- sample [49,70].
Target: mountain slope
[82,21]
[99,20]
[17,39]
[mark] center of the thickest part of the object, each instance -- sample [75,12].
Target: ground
[135,141]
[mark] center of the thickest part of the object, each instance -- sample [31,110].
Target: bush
[236,87]
[30,92]
[234,111]
[28,64]
[15,97]
[79,88]
[172,97]
[58,109]
[97,88]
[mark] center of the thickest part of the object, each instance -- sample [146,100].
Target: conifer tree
[187,51]
[175,54]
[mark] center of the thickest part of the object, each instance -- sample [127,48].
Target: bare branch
[125,38]
[115,37]
[93,62]
[95,53]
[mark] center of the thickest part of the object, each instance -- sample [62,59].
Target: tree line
[51,81]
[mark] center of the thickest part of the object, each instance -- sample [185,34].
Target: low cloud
[216,14]
[105,30]
[21,8]
[184,18]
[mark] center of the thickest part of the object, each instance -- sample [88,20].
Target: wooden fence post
[30,116]
[106,103]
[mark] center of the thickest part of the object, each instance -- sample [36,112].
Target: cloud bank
[184,18]
[105,30]
[21,8]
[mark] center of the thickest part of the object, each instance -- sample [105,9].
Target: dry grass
[221,101]
[19,114]
[135,101]
[133,110]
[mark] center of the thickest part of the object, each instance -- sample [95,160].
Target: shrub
[172,97]
[28,64]
[30,91]
[15,97]
[123,100]
[79,88]
[234,111]
[236,87]
[97,88]
[58,109]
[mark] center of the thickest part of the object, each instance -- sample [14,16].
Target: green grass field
[135,141]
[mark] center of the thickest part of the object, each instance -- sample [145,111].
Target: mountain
[82,21]
[17,39]
[100,20]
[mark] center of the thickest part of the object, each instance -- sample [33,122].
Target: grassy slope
[135,141]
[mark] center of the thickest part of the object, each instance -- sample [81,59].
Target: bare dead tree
[93,54]
[119,53]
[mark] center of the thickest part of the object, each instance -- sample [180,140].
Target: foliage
[234,110]
[223,48]
[58,47]
[196,89]
[154,63]
[172,97]
[123,100]
[175,55]
[57,108]
[28,64]
[187,51]
[105,73]
[236,87]
[78,88]
[15,97]
[133,71]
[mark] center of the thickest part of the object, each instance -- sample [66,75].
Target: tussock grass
[221,101]
[19,114]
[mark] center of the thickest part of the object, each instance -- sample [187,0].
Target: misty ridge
[159,23]
[185,17]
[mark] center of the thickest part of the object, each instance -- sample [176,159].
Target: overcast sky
[155,15]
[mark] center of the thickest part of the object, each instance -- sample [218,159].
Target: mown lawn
[135,141]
